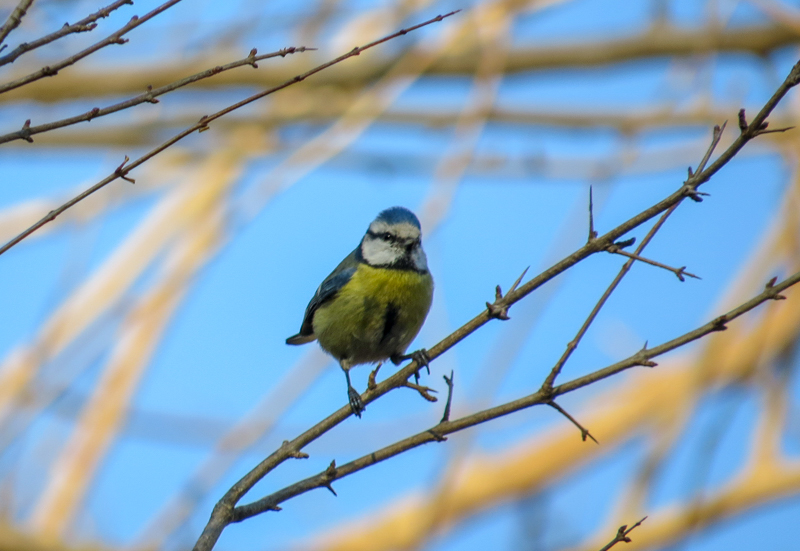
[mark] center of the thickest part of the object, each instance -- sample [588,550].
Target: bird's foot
[356,405]
[420,357]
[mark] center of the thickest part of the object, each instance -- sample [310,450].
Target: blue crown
[396,215]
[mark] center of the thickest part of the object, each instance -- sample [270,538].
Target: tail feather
[300,339]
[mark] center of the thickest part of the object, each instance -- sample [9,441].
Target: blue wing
[325,292]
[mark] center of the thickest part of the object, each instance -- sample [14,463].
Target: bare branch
[622,535]
[148,97]
[84,25]
[666,41]
[114,38]
[439,431]
[14,19]
[203,124]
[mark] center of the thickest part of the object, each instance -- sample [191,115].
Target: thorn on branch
[692,193]
[690,172]
[330,474]
[770,284]
[642,359]
[592,232]
[294,453]
[449,381]
[763,130]
[584,431]
[123,173]
[499,308]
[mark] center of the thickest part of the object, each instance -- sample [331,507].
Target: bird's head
[393,240]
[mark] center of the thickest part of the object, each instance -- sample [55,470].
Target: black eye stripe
[386,236]
[390,237]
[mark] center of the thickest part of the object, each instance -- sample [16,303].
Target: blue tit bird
[374,303]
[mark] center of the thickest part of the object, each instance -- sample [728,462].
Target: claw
[420,357]
[356,405]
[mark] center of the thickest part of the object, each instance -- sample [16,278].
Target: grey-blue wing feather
[337,279]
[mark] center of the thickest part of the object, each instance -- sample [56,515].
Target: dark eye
[387,236]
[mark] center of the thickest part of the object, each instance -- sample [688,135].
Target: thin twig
[622,535]
[14,19]
[449,381]
[715,138]
[203,124]
[438,432]
[592,232]
[114,38]
[573,344]
[149,96]
[84,25]
[679,272]
[584,431]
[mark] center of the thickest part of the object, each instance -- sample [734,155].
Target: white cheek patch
[377,252]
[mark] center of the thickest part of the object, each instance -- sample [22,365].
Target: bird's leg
[420,356]
[356,405]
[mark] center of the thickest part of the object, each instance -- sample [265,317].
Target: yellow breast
[353,325]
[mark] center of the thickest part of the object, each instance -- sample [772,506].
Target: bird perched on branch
[373,304]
